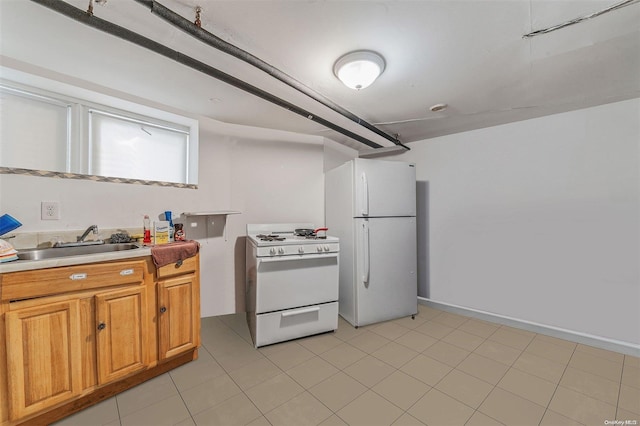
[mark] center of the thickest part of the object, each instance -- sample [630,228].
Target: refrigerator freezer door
[385,273]
[384,188]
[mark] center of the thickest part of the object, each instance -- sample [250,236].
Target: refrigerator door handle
[366,254]
[365,195]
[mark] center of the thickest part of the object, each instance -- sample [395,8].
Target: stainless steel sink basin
[51,253]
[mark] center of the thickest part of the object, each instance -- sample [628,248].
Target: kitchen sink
[54,252]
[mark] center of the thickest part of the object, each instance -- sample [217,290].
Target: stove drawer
[290,324]
[292,281]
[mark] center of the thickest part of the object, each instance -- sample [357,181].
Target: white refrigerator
[371,206]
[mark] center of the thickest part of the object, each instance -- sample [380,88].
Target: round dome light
[359,69]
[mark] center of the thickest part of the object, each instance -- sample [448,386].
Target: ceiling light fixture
[359,69]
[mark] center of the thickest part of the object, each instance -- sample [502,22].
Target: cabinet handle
[102,326]
[126,272]
[163,309]
[80,276]
[179,263]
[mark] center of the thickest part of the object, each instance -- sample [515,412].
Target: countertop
[30,265]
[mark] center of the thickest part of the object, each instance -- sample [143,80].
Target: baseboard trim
[573,336]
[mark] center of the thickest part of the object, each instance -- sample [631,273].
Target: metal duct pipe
[216,42]
[116,30]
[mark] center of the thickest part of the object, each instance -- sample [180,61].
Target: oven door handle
[300,312]
[296,258]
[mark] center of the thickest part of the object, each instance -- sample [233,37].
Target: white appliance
[292,282]
[371,206]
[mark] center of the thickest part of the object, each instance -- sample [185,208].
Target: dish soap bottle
[146,230]
[167,217]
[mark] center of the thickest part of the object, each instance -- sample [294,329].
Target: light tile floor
[439,369]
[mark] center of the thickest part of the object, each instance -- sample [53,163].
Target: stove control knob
[319,249]
[326,248]
[280,250]
[301,250]
[272,251]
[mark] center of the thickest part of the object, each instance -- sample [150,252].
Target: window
[137,149]
[35,131]
[50,132]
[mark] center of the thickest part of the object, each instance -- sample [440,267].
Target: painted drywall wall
[268,176]
[537,220]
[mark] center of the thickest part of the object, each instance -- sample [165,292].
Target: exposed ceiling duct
[128,35]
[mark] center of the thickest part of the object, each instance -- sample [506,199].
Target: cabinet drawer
[178,268]
[21,285]
[290,324]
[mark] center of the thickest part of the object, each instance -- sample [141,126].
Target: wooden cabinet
[122,333]
[65,333]
[75,335]
[43,356]
[178,307]
[178,325]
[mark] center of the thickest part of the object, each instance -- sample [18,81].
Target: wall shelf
[211,213]
[224,213]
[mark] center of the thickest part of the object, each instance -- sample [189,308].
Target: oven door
[293,281]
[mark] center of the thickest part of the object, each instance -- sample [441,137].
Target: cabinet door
[121,335]
[178,315]
[43,356]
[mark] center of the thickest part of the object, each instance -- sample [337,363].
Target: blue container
[8,224]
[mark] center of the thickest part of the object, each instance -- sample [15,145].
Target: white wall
[537,220]
[269,176]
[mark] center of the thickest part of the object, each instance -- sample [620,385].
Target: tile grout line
[452,368]
[593,374]
[456,367]
[558,385]
[282,371]
[227,372]
[396,369]
[307,390]
[624,358]
[511,366]
[257,384]
[476,410]
[370,388]
[118,409]
[181,397]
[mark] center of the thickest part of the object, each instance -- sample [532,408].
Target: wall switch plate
[50,210]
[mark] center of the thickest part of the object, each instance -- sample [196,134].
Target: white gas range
[292,281]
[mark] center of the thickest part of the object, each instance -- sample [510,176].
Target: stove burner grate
[271,237]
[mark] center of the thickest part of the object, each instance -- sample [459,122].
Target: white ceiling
[469,54]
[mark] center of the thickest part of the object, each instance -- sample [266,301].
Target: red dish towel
[166,254]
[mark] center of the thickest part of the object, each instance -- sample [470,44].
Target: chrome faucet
[80,240]
[93,228]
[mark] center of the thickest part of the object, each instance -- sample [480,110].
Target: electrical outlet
[50,210]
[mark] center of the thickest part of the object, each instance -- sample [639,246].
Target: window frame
[132,118]
[78,146]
